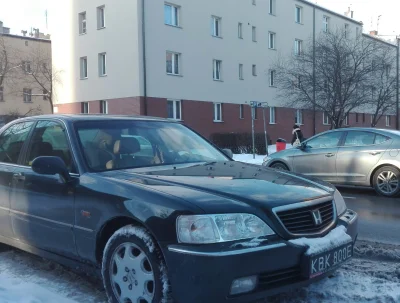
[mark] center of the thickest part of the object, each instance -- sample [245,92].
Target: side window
[357,138]
[12,140]
[327,140]
[379,139]
[49,139]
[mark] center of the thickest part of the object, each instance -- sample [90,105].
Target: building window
[325,119]
[173,63]
[272,118]
[27,95]
[346,30]
[357,119]
[254,70]
[271,40]
[298,14]
[346,120]
[174,109]
[84,68]
[357,32]
[217,112]
[217,70]
[240,31]
[272,78]
[103,107]
[1,94]
[241,72]
[241,111]
[101,18]
[271,7]
[298,117]
[102,64]
[254,33]
[85,107]
[82,23]
[387,120]
[45,95]
[325,24]
[171,14]
[216,26]
[363,118]
[26,67]
[298,47]
[254,2]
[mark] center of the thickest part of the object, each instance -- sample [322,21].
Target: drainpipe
[144,57]
[314,75]
[397,83]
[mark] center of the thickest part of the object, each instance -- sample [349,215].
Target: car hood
[250,184]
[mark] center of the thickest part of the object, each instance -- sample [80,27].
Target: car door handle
[329,155]
[375,153]
[19,177]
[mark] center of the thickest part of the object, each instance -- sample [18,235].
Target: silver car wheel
[131,275]
[388,182]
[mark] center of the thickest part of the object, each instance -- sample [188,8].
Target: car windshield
[109,145]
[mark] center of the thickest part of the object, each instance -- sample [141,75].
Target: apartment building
[201,62]
[20,56]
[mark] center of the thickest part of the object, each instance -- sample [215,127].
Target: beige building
[201,62]
[25,73]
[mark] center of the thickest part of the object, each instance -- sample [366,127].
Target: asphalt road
[379,217]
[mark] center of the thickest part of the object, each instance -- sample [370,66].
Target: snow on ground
[28,279]
[248,158]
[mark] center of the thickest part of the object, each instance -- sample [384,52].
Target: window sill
[271,14]
[239,79]
[255,41]
[241,118]
[102,76]
[216,121]
[326,124]
[273,49]
[174,75]
[299,23]
[82,34]
[217,80]
[100,28]
[175,120]
[219,37]
[254,75]
[272,86]
[84,78]
[175,26]
[272,123]
[241,38]
[28,102]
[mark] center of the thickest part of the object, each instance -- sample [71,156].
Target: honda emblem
[317,217]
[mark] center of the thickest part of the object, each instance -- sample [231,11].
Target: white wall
[199,48]
[120,40]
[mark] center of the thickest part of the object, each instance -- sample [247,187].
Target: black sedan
[179,222]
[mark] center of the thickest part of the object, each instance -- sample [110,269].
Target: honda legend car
[161,214]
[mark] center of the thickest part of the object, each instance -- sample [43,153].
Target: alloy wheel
[131,275]
[387,182]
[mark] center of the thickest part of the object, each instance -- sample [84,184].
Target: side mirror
[50,166]
[228,152]
[303,146]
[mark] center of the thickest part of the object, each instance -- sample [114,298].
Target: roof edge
[26,38]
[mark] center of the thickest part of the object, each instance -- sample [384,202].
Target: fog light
[243,285]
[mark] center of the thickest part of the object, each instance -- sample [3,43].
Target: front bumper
[204,274]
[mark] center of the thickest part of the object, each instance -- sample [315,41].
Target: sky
[24,14]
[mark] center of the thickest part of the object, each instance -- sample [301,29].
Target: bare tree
[342,72]
[383,83]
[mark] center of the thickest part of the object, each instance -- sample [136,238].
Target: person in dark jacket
[297,136]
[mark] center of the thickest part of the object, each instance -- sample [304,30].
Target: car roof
[99,117]
[378,130]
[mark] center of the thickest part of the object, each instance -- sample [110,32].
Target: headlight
[340,204]
[203,229]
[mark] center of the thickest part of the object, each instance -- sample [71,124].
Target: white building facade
[201,62]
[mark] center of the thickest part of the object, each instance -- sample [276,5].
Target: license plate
[321,263]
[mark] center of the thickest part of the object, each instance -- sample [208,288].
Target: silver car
[351,156]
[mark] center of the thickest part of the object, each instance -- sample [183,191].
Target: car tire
[133,268]
[279,166]
[386,181]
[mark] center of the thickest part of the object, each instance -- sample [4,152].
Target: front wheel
[133,269]
[279,166]
[386,181]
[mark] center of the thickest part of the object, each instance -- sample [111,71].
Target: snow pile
[335,238]
[18,291]
[248,158]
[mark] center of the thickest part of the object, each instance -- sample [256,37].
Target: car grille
[300,221]
[279,278]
